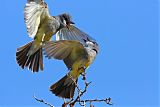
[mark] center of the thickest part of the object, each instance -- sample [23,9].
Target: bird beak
[72,22]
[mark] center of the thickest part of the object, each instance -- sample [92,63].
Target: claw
[84,75]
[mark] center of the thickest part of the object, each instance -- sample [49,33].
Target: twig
[107,101]
[81,94]
[79,90]
[72,102]
[42,101]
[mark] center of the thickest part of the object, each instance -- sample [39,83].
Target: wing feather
[35,12]
[72,33]
[61,49]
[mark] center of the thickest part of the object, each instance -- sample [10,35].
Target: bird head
[92,45]
[65,19]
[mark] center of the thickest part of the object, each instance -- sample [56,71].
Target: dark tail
[34,62]
[64,88]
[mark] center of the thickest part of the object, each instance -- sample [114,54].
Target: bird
[77,56]
[41,26]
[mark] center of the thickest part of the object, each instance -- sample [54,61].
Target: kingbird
[41,26]
[77,56]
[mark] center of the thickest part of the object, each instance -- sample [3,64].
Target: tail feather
[34,62]
[21,54]
[64,88]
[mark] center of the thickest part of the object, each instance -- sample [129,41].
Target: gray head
[66,19]
[92,50]
[93,46]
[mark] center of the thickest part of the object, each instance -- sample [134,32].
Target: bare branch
[42,101]
[107,101]
[80,92]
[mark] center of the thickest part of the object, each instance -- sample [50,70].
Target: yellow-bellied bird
[41,26]
[77,56]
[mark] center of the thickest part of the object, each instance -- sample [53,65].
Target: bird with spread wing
[76,48]
[41,26]
[77,56]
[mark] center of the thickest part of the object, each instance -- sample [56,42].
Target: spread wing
[72,33]
[35,12]
[62,49]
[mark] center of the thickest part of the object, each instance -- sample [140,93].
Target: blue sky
[126,69]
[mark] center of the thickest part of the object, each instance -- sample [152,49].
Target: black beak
[72,22]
